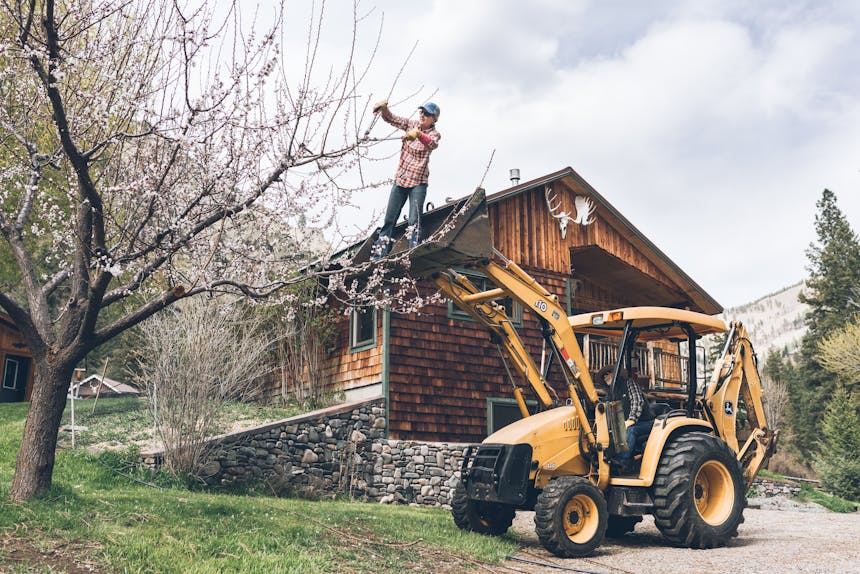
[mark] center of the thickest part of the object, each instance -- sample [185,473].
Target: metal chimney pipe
[515,176]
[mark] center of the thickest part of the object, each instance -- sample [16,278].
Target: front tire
[483,517]
[571,517]
[698,492]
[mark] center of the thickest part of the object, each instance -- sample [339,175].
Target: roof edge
[570,172]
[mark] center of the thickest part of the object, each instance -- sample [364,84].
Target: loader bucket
[454,236]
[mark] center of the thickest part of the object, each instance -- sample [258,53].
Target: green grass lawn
[119,422]
[95,515]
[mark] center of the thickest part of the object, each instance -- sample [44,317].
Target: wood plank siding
[522,225]
[349,369]
[443,370]
[16,363]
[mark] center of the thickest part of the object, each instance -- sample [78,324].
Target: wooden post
[99,389]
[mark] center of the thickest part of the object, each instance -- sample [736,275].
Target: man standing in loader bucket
[413,171]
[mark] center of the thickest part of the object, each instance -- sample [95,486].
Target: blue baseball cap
[431,109]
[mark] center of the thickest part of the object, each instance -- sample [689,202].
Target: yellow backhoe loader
[563,462]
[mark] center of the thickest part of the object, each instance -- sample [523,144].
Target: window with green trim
[362,329]
[502,411]
[512,308]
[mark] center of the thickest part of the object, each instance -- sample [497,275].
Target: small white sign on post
[74,392]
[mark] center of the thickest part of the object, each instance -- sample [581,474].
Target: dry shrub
[786,463]
[775,402]
[195,357]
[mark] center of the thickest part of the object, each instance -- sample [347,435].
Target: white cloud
[713,126]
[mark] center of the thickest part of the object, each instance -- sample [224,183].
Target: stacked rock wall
[337,451]
[766,488]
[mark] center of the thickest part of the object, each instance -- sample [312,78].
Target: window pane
[506,411]
[10,374]
[512,310]
[363,327]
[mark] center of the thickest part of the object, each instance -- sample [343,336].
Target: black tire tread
[675,513]
[468,514]
[549,531]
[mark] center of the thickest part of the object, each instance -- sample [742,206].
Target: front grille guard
[497,472]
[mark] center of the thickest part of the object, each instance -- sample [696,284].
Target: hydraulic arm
[736,382]
[512,281]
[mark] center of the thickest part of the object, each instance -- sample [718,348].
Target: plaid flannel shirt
[414,166]
[637,400]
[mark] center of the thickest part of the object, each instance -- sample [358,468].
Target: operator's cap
[431,109]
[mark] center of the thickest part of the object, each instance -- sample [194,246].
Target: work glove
[628,423]
[379,106]
[411,134]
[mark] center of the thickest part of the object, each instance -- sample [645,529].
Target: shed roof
[91,383]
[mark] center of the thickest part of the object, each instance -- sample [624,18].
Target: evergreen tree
[775,365]
[836,462]
[834,270]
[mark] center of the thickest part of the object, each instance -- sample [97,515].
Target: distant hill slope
[775,321]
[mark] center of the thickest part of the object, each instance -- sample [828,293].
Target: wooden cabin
[16,363]
[442,378]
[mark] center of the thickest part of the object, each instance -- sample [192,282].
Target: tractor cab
[648,352]
[648,341]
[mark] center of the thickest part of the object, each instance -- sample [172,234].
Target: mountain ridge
[775,321]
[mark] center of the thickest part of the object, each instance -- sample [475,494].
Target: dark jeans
[636,431]
[396,199]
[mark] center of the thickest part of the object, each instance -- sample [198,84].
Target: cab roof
[656,322]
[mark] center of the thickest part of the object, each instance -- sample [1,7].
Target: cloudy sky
[712,125]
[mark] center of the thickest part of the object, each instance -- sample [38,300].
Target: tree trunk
[34,466]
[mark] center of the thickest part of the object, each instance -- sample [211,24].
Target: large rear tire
[571,517]
[483,517]
[698,492]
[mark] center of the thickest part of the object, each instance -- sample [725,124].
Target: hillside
[774,321]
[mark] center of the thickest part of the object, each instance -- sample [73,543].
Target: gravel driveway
[805,538]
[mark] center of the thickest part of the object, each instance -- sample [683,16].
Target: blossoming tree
[155,150]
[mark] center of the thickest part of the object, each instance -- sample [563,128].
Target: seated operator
[640,417]
[602,380]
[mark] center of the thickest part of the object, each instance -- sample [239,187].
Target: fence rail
[664,370]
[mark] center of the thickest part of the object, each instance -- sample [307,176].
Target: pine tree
[834,271]
[836,462]
[775,365]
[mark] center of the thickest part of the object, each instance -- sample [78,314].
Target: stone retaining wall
[766,488]
[342,450]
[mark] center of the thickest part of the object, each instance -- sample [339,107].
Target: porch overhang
[595,265]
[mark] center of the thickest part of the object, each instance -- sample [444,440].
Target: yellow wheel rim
[714,492]
[580,518]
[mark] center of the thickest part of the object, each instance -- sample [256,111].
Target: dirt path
[769,541]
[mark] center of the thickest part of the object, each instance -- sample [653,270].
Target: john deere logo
[729,408]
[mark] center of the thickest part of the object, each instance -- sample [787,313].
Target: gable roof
[700,297]
[108,386]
